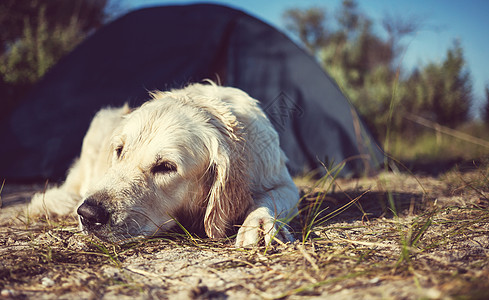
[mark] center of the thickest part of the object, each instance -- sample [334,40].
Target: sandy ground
[435,246]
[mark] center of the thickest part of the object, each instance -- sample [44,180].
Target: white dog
[204,156]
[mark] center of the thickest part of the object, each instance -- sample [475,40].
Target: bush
[39,33]
[366,67]
[29,57]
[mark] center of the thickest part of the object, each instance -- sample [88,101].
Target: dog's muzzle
[92,215]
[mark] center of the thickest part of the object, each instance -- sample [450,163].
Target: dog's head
[174,159]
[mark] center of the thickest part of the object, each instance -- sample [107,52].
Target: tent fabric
[169,47]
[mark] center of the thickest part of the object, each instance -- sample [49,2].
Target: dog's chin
[119,235]
[127,228]
[112,236]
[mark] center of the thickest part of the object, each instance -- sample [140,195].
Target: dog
[204,157]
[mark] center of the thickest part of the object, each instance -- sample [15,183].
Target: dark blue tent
[168,47]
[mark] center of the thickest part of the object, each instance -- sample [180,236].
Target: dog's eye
[118,151]
[163,168]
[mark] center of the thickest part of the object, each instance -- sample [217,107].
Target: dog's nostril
[92,214]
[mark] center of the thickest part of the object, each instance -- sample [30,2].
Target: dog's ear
[229,195]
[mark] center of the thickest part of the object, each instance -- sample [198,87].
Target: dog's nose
[92,215]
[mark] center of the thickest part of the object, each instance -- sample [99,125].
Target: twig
[308,257]
[443,129]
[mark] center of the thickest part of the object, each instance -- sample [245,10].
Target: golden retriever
[204,156]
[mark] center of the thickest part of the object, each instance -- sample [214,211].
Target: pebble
[8,293]
[374,280]
[433,294]
[47,282]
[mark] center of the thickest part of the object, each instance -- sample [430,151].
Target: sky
[443,21]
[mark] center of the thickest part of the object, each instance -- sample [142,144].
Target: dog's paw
[54,201]
[260,225]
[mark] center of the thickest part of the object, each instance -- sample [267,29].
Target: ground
[392,236]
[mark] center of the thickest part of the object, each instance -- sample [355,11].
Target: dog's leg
[268,219]
[60,200]
[91,165]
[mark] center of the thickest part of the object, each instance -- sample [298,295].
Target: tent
[169,47]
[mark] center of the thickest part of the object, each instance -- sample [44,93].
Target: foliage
[445,89]
[308,26]
[485,112]
[90,14]
[432,146]
[39,33]
[38,49]
[368,69]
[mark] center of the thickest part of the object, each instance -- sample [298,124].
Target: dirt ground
[392,236]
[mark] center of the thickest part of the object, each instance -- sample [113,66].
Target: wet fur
[230,171]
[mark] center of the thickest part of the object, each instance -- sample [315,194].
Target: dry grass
[391,236]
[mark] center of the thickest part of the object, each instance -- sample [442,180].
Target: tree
[90,14]
[309,26]
[39,33]
[348,17]
[357,58]
[366,68]
[37,49]
[485,112]
[446,89]
[398,27]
